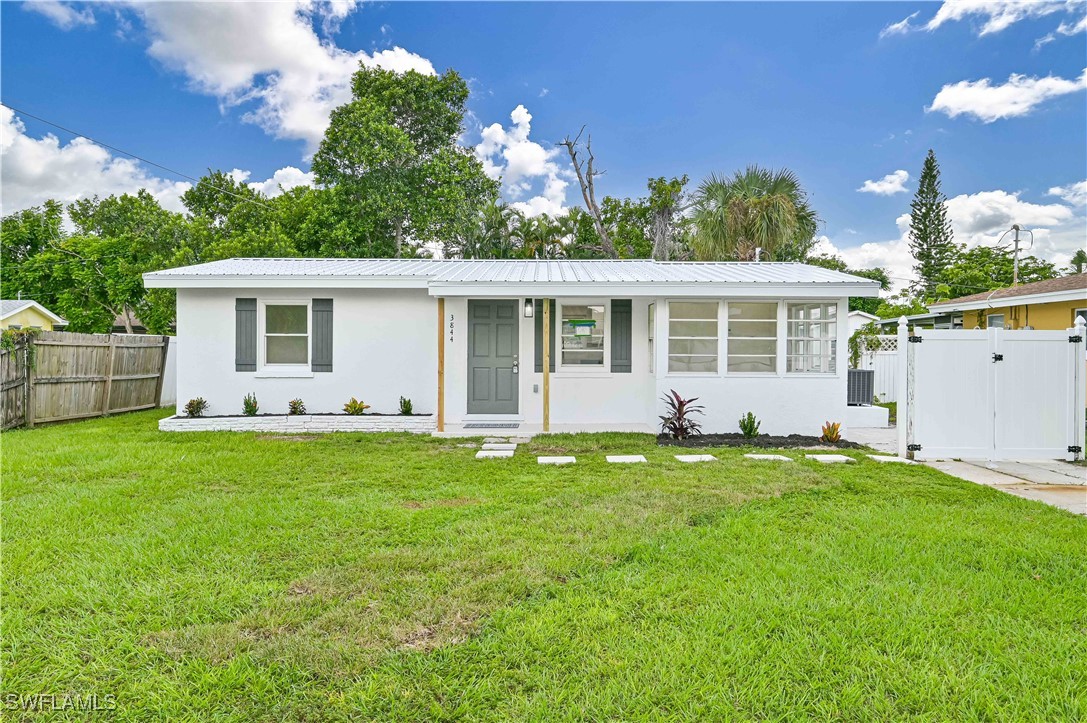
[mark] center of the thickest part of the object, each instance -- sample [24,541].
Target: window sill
[284,374]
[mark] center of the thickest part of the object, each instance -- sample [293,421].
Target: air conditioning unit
[861,387]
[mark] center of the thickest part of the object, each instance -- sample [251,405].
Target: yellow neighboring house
[25,314]
[1049,304]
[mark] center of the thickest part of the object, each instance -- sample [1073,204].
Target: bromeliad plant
[749,426]
[678,422]
[405,406]
[832,432]
[249,405]
[296,406]
[196,407]
[355,407]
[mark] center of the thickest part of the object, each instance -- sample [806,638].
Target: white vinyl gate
[882,359]
[991,394]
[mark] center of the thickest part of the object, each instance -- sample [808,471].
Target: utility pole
[1015,257]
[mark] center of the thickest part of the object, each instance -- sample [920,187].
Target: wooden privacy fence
[62,375]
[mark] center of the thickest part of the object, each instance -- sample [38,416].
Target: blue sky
[835,91]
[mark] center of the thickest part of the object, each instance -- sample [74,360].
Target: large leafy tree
[932,241]
[94,274]
[856,303]
[984,268]
[757,208]
[392,154]
[1078,263]
[494,235]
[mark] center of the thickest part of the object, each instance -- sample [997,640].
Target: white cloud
[39,169]
[996,15]
[901,27]
[1073,193]
[1079,27]
[544,92]
[64,15]
[509,154]
[980,219]
[1017,97]
[267,57]
[889,185]
[282,180]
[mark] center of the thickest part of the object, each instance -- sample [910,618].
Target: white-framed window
[582,335]
[652,336]
[692,337]
[812,338]
[1077,314]
[752,337]
[285,333]
[994,321]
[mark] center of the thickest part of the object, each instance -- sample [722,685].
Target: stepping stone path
[886,458]
[772,457]
[696,458]
[830,458]
[496,448]
[494,453]
[625,458]
[556,460]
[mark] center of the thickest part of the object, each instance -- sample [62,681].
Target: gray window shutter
[620,335]
[245,335]
[537,314]
[321,339]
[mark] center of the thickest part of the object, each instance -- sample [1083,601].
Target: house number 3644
[451,327]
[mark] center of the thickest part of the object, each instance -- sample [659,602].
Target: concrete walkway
[1055,483]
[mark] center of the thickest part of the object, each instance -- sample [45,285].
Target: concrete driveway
[1060,484]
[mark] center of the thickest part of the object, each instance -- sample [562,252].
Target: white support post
[1079,395]
[904,411]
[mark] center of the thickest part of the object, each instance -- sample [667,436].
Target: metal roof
[451,271]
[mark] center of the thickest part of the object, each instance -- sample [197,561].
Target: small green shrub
[249,405]
[832,432]
[749,426]
[405,406]
[296,406]
[355,407]
[196,407]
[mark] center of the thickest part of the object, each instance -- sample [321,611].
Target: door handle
[515,367]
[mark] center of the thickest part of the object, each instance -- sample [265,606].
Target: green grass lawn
[243,577]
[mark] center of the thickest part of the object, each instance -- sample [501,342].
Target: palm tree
[755,208]
[1079,261]
[541,236]
[493,235]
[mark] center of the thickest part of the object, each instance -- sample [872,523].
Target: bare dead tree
[586,173]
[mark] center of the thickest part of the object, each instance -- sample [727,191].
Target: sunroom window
[286,333]
[812,345]
[692,337]
[582,335]
[752,336]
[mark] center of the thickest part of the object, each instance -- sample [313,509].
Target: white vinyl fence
[991,394]
[883,360]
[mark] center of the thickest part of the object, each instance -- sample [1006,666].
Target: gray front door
[492,357]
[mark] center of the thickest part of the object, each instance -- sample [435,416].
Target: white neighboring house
[762,337]
[857,319]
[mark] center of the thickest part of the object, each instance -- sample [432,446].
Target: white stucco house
[465,340]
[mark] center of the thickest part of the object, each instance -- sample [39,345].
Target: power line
[141,159]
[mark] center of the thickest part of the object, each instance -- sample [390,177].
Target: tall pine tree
[931,240]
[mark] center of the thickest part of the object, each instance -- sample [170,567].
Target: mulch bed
[764,441]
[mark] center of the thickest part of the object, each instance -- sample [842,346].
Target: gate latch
[916,339]
[1075,448]
[1075,339]
[997,357]
[913,447]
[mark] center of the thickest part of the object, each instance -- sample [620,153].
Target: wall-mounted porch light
[528,308]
